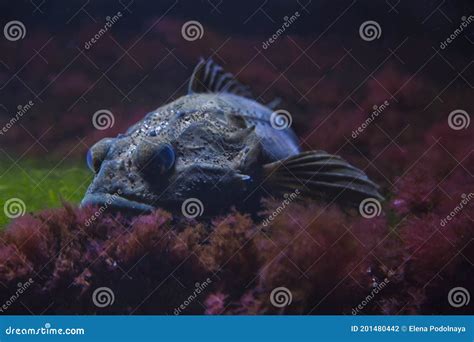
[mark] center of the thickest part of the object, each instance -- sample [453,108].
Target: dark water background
[320,66]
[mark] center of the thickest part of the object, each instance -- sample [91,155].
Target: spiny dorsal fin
[209,77]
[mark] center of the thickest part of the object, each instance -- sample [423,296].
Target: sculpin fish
[218,145]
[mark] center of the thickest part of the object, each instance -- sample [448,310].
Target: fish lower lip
[116,203]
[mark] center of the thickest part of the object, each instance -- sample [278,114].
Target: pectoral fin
[318,174]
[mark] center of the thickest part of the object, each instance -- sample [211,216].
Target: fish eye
[96,154]
[89,161]
[165,157]
[154,158]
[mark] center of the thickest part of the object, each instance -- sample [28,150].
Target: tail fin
[318,174]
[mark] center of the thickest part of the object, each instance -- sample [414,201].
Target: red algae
[328,258]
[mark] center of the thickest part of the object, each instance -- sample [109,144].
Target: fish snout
[115,188]
[114,202]
[130,183]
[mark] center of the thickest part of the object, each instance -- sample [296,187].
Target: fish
[219,146]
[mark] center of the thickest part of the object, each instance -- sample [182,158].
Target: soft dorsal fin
[210,77]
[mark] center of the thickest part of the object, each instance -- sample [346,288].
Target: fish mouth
[116,203]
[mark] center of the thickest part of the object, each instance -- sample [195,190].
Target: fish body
[217,145]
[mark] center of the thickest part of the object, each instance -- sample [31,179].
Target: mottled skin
[221,142]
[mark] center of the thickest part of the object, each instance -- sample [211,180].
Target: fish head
[207,161]
[123,167]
